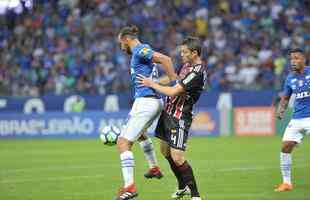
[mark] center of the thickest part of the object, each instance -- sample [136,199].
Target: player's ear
[119,37]
[195,53]
[122,39]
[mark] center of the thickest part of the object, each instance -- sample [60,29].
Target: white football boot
[181,193]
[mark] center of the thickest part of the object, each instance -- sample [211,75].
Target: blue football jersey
[299,84]
[141,63]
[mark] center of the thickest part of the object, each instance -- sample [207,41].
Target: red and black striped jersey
[192,79]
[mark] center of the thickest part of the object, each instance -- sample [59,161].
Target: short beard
[296,69]
[128,51]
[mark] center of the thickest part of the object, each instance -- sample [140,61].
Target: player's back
[299,84]
[141,63]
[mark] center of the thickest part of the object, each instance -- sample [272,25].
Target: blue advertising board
[51,103]
[87,124]
[58,124]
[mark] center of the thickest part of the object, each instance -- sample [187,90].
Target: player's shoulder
[307,70]
[291,77]
[198,68]
[143,49]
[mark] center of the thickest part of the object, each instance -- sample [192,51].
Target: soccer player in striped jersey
[176,119]
[298,83]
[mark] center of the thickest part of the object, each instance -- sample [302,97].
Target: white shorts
[142,115]
[296,130]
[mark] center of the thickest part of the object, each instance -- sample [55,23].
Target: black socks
[185,176]
[176,172]
[188,178]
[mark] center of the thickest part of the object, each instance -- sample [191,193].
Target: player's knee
[143,137]
[288,146]
[123,145]
[164,151]
[286,149]
[178,159]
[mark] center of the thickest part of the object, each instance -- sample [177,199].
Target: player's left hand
[144,80]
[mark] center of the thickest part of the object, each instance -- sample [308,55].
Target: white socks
[127,164]
[285,165]
[149,152]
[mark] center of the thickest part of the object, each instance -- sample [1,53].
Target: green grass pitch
[226,168]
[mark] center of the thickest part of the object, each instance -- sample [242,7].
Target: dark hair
[296,50]
[132,31]
[193,43]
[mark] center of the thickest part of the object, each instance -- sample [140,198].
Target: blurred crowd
[70,46]
[249,41]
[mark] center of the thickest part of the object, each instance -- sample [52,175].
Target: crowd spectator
[64,46]
[61,46]
[249,40]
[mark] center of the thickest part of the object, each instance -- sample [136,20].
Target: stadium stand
[63,47]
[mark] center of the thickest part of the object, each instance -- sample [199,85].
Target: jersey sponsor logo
[302,95]
[189,78]
[294,80]
[300,83]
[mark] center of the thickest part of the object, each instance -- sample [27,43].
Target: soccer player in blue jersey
[146,143]
[147,105]
[297,83]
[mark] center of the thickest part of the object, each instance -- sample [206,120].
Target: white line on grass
[256,168]
[230,169]
[51,179]
[265,195]
[54,168]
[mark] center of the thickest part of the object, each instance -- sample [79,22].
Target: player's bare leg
[285,165]
[182,188]
[128,191]
[185,170]
[149,153]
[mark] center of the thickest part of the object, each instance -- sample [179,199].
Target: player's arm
[186,84]
[166,90]
[166,63]
[282,106]
[285,98]
[164,80]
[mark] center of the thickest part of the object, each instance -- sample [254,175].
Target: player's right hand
[146,81]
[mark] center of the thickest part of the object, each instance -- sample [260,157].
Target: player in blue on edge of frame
[298,83]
